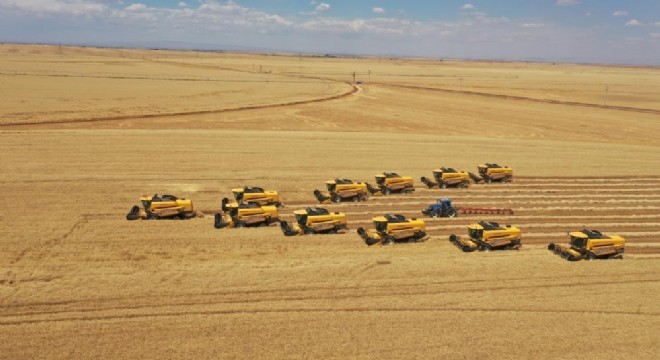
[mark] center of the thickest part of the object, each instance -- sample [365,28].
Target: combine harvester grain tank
[245,214]
[486,236]
[344,190]
[393,228]
[490,172]
[590,245]
[315,221]
[390,182]
[447,177]
[161,207]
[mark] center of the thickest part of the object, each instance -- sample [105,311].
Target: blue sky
[603,31]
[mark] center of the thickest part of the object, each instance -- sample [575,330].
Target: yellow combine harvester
[492,172]
[161,207]
[590,245]
[393,228]
[486,236]
[447,177]
[249,214]
[394,183]
[344,190]
[257,195]
[314,221]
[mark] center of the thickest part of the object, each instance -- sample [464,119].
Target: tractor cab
[444,202]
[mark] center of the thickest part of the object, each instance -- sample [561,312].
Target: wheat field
[84,132]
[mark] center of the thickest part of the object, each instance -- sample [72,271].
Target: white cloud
[136,7]
[634,22]
[567,2]
[182,4]
[620,13]
[655,35]
[53,7]
[467,7]
[323,7]
[532,25]
[588,13]
[657,23]
[378,10]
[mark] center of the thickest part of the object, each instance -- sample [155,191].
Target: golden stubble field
[84,132]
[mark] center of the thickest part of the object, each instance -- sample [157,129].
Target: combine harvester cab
[257,195]
[447,177]
[394,183]
[250,214]
[442,208]
[486,236]
[161,207]
[314,221]
[489,172]
[343,190]
[393,229]
[590,245]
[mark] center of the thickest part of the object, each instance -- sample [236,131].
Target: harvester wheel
[356,198]
[336,198]
[487,179]
[310,231]
[386,190]
[240,224]
[465,184]
[443,184]
[487,247]
[590,256]
[154,217]
[388,240]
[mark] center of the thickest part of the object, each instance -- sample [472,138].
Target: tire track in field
[522,98]
[420,290]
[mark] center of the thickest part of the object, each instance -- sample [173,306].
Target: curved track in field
[544,208]
[352,91]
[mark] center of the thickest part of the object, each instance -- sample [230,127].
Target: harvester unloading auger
[393,228]
[250,214]
[314,221]
[486,236]
[447,177]
[344,190]
[590,245]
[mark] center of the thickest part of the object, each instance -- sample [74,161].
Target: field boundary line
[523,98]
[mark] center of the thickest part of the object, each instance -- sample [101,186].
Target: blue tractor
[442,208]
